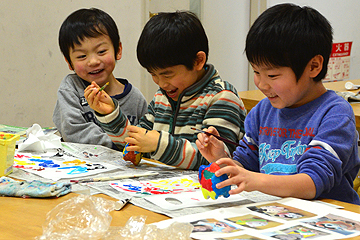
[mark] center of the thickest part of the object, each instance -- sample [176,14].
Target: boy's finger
[237,190]
[132,129]
[94,84]
[226,161]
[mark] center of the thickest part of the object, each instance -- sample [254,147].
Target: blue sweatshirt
[318,139]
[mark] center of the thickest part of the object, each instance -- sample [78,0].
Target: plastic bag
[87,217]
[136,229]
[82,217]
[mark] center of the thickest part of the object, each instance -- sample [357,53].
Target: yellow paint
[76,162]
[23,163]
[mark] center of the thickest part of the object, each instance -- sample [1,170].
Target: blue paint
[42,161]
[76,169]
[49,165]
[133,188]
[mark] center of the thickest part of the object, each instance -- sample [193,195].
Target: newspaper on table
[287,218]
[103,155]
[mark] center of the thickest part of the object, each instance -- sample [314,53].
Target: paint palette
[157,187]
[57,169]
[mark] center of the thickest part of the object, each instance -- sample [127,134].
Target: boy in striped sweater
[173,47]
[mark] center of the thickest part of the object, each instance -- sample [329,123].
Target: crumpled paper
[37,141]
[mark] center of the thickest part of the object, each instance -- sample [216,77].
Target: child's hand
[100,101]
[143,140]
[210,147]
[244,179]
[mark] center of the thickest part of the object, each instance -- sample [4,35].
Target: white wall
[226,23]
[343,16]
[31,63]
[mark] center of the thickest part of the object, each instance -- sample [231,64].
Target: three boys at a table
[300,141]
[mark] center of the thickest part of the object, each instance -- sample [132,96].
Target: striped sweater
[209,102]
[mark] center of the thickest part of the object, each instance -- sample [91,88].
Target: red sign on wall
[339,62]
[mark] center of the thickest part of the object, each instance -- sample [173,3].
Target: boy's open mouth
[271,96]
[96,71]
[171,93]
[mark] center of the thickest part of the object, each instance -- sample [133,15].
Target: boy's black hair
[287,35]
[87,23]
[170,39]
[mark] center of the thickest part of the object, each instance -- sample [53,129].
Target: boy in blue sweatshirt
[301,140]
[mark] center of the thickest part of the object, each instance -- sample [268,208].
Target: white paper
[185,200]
[164,186]
[66,168]
[37,141]
[287,217]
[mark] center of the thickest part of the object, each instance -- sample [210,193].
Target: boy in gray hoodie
[90,42]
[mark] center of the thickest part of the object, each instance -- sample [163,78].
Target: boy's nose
[93,61]
[163,84]
[262,85]
[160,82]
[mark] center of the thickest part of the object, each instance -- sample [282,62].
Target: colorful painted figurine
[132,156]
[208,182]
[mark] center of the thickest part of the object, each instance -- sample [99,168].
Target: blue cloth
[318,138]
[13,188]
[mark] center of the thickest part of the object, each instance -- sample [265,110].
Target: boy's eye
[81,56]
[102,51]
[256,72]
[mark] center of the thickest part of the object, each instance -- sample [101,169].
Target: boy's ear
[119,54]
[200,60]
[316,65]
[69,64]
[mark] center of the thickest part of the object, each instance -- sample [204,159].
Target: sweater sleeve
[114,124]
[225,112]
[69,118]
[330,157]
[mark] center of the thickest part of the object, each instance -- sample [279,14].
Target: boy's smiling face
[280,86]
[94,59]
[175,79]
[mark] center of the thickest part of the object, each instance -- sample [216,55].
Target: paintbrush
[102,179]
[218,137]
[103,87]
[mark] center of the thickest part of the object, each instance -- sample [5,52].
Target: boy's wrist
[106,118]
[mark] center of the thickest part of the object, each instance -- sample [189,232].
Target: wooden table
[251,98]
[23,218]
